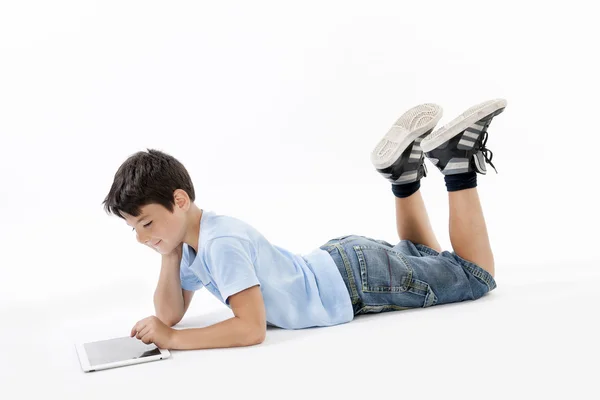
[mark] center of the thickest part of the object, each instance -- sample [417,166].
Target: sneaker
[398,156]
[460,145]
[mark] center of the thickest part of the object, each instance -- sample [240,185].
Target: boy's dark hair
[146,178]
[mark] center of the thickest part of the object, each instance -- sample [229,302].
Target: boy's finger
[142,332]
[136,328]
[146,338]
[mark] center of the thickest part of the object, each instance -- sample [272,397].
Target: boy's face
[158,228]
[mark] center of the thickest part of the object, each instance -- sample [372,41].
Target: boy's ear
[181,199]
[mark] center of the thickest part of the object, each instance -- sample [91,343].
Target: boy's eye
[145,226]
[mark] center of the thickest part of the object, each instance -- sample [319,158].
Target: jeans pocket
[384,270]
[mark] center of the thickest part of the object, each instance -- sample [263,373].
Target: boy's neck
[192,233]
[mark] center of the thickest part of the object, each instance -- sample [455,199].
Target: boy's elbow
[258,337]
[166,314]
[261,338]
[169,320]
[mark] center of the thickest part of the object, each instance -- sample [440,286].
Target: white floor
[536,336]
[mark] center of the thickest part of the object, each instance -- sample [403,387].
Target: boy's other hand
[153,330]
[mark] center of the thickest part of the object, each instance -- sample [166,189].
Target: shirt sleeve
[231,266]
[189,280]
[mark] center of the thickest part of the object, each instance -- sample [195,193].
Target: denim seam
[363,270]
[483,276]
[347,266]
[479,273]
[426,249]
[383,307]
[430,299]
[366,246]
[421,287]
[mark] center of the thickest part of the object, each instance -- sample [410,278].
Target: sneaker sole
[412,124]
[460,123]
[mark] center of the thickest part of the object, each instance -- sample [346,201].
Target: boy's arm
[234,274]
[170,300]
[248,327]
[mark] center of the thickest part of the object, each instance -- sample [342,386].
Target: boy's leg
[412,221]
[458,149]
[468,232]
[399,158]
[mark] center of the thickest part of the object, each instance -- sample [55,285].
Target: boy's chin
[164,250]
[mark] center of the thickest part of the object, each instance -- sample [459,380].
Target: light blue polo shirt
[299,291]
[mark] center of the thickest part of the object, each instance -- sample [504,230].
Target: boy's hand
[152,330]
[176,254]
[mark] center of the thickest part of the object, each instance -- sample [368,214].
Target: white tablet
[117,352]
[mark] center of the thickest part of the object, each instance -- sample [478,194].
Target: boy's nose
[142,239]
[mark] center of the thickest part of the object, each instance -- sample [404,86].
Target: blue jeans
[381,277]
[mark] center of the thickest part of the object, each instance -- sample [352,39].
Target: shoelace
[485,151]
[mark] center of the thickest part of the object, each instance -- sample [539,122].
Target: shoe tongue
[479,162]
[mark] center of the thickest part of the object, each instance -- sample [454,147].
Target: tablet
[117,352]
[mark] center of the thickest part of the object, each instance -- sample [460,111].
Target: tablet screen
[119,349]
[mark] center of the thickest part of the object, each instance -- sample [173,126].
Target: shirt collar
[195,261]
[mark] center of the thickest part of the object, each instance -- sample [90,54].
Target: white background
[274,107]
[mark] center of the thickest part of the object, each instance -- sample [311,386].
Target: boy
[264,284]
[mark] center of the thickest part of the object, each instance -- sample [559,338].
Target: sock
[406,189]
[463,181]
